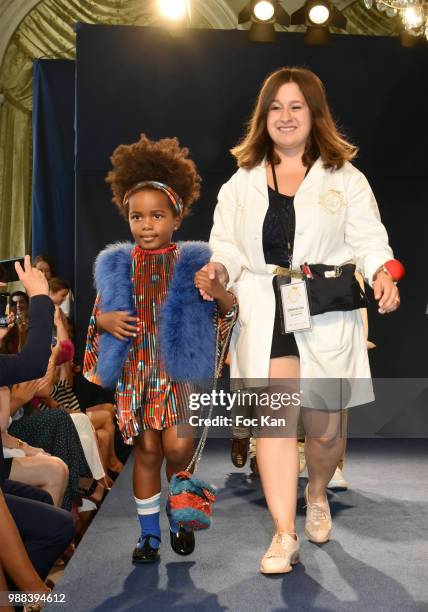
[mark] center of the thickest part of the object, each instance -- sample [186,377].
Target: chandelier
[413,13]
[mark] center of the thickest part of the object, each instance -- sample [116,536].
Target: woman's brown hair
[324,141]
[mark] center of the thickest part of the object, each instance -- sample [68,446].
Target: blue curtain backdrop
[53,163]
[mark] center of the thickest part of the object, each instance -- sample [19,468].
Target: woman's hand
[32,451]
[119,324]
[59,317]
[386,292]
[33,280]
[215,271]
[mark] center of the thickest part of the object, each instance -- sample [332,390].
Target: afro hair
[148,160]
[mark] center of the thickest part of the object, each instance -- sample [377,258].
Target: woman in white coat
[293,161]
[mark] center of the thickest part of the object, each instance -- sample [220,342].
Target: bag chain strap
[201,444]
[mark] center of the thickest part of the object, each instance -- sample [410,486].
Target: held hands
[212,276]
[386,292]
[214,289]
[118,323]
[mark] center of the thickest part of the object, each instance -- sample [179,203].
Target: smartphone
[4,316]
[7,270]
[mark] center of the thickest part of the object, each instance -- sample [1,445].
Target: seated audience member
[61,295]
[19,303]
[53,430]
[45,531]
[46,266]
[27,464]
[101,419]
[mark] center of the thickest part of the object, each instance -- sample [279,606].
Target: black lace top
[275,226]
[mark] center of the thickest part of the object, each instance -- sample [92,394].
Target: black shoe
[146,553]
[182,542]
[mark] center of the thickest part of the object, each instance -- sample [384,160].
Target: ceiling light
[173,9]
[319,14]
[264,11]
[413,13]
[413,17]
[263,17]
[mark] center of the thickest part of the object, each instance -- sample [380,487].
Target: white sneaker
[281,555]
[338,480]
[318,523]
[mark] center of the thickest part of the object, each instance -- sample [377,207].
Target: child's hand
[118,323]
[213,287]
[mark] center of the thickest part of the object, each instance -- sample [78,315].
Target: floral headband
[175,199]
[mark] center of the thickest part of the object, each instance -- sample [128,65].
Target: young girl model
[154,185]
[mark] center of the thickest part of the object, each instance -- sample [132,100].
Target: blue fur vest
[186,334]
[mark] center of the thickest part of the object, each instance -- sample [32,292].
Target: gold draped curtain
[48,31]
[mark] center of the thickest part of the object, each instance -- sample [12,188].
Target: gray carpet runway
[377,560]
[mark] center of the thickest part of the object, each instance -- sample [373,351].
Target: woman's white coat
[337,221]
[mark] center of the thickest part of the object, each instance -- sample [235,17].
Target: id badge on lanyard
[293,292]
[294,304]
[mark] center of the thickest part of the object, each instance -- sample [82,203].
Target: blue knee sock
[148,514]
[173,525]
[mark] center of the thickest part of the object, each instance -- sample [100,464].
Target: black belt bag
[332,288]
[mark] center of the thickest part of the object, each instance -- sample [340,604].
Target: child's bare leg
[147,491]
[178,450]
[147,464]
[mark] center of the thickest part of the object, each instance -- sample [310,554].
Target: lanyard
[290,227]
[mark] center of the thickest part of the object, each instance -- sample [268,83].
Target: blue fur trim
[112,272]
[196,518]
[187,334]
[178,485]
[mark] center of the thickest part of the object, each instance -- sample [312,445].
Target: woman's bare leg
[43,471]
[324,446]
[102,422]
[277,458]
[13,556]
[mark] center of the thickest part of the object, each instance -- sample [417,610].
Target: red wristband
[395,269]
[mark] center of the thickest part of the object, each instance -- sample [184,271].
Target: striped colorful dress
[146,397]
